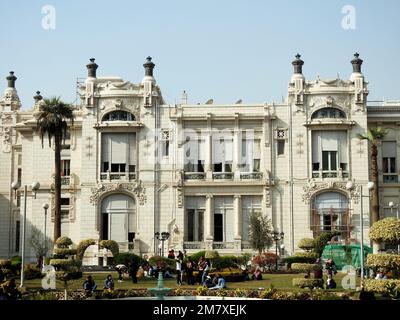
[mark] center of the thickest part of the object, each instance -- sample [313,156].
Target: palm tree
[52,120]
[374,135]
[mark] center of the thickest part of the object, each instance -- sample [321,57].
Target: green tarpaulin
[344,255]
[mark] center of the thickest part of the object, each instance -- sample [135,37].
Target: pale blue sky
[225,50]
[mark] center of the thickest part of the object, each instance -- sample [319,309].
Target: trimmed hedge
[306,267]
[110,245]
[82,246]
[223,262]
[308,283]
[196,256]
[380,285]
[299,259]
[63,242]
[386,230]
[63,252]
[306,244]
[383,260]
[64,263]
[125,258]
[211,254]
[321,241]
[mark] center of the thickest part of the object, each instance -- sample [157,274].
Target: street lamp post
[162,237]
[392,205]
[35,186]
[277,236]
[370,186]
[45,207]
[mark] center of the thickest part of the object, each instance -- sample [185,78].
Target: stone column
[237,212]
[209,221]
[209,156]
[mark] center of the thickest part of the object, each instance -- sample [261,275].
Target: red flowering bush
[266,260]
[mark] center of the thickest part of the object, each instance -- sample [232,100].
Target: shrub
[82,246]
[265,260]
[321,241]
[308,283]
[62,263]
[211,254]
[110,245]
[64,252]
[202,291]
[223,262]
[126,258]
[63,242]
[31,271]
[381,286]
[386,230]
[300,259]
[162,262]
[16,262]
[388,262]
[306,267]
[306,244]
[5,263]
[196,256]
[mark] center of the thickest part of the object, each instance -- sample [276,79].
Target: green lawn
[279,281]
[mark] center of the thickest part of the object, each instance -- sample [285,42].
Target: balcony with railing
[223,175]
[112,176]
[326,174]
[331,219]
[65,180]
[195,175]
[251,175]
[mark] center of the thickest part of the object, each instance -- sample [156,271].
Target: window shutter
[389,149]
[201,150]
[228,149]
[119,148]
[343,147]
[105,147]
[257,149]
[132,148]
[329,141]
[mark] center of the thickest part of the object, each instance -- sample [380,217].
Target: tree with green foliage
[53,118]
[261,230]
[374,136]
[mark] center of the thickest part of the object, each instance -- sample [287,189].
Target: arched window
[118,218]
[330,113]
[119,116]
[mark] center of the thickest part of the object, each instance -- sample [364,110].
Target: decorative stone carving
[313,188]
[137,190]
[5,133]
[179,189]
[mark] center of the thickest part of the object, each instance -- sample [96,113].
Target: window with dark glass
[119,116]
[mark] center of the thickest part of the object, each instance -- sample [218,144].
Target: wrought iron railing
[195,175]
[65,180]
[251,175]
[111,176]
[330,174]
[193,245]
[223,245]
[223,175]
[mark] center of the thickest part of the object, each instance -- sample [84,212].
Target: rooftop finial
[37,97]
[11,80]
[92,67]
[356,62]
[298,64]
[148,67]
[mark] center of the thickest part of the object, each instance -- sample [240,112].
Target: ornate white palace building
[133,165]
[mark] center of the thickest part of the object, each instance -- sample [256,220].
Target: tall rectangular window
[218,227]
[280,147]
[65,168]
[389,167]
[195,224]
[165,135]
[118,153]
[222,152]
[329,152]
[194,154]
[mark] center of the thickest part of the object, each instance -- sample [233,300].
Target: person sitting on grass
[109,283]
[257,275]
[330,282]
[221,284]
[89,286]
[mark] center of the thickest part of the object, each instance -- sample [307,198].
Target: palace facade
[133,165]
